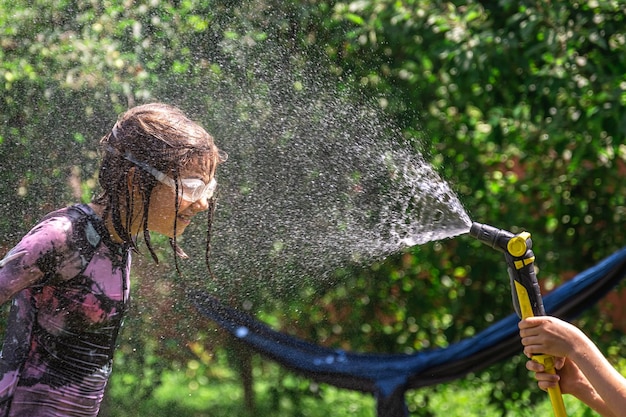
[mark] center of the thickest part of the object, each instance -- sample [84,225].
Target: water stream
[317,178]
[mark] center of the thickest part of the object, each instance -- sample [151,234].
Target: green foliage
[211,388]
[519,105]
[521,109]
[524,95]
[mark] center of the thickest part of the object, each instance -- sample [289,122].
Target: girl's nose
[201,204]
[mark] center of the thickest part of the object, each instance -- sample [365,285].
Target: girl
[69,276]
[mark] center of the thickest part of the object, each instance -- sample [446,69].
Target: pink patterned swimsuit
[70,287]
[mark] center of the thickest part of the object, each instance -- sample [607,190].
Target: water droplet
[242,332]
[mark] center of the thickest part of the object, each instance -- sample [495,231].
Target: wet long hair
[163,137]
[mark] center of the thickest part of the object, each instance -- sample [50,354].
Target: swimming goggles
[190,189]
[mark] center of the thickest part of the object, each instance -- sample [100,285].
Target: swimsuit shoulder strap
[89,232]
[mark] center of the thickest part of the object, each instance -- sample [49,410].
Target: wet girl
[68,278]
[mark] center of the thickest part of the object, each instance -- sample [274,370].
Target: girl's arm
[572,381]
[585,373]
[46,248]
[16,272]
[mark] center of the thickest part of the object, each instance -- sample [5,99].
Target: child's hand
[548,335]
[546,380]
[568,376]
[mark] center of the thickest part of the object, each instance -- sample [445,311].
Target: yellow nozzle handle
[556,398]
[527,298]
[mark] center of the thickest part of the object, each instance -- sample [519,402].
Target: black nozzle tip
[491,236]
[475,229]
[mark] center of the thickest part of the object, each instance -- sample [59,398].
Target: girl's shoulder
[73,232]
[69,223]
[59,247]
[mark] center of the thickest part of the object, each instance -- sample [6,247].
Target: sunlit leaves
[519,106]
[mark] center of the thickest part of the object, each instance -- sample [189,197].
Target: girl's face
[162,212]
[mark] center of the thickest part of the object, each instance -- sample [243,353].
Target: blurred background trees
[518,104]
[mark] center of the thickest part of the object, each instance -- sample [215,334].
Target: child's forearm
[606,392]
[592,399]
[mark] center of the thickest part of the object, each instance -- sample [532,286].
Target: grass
[214,390]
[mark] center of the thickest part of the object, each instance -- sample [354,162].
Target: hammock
[389,376]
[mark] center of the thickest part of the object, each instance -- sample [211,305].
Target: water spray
[527,300]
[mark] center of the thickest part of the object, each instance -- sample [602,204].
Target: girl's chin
[181,225]
[183,221]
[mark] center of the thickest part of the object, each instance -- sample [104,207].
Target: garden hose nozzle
[527,300]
